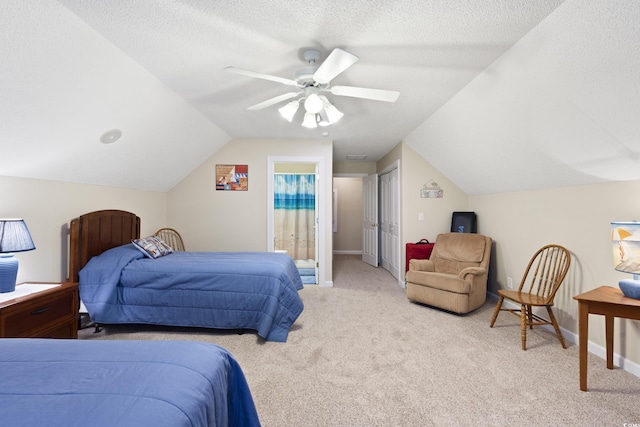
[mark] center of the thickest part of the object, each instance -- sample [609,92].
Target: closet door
[390,222]
[370,219]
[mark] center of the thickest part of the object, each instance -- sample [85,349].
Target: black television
[464,222]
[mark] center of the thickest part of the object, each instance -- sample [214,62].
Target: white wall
[214,220]
[49,206]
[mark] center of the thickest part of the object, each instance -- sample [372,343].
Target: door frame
[321,203]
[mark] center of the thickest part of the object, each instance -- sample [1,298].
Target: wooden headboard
[95,232]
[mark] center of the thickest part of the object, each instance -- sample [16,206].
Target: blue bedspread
[121,383]
[224,290]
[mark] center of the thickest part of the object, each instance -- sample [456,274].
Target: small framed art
[232,177]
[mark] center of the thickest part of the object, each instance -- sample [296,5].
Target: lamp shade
[310,121]
[626,246]
[289,110]
[333,114]
[14,237]
[322,119]
[625,237]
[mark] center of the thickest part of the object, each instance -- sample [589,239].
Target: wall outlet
[509,283]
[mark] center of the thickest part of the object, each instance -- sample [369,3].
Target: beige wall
[571,121]
[211,220]
[348,238]
[294,168]
[578,218]
[354,168]
[49,206]
[415,171]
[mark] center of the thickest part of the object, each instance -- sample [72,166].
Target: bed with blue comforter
[223,290]
[46,382]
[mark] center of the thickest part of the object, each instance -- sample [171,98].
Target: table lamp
[14,237]
[626,255]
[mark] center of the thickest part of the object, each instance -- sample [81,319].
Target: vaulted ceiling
[479,97]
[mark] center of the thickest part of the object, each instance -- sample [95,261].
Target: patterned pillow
[152,247]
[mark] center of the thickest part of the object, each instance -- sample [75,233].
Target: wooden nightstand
[48,310]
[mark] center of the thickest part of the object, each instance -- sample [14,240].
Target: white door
[390,222]
[370,219]
[386,251]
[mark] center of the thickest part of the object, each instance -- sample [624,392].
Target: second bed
[223,290]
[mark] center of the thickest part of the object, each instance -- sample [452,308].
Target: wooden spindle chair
[172,238]
[542,278]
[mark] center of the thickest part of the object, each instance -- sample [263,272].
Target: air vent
[356,156]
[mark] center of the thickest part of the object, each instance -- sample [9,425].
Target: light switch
[420,216]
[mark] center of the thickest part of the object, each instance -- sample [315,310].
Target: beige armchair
[455,277]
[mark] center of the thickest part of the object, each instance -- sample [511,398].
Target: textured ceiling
[73,69]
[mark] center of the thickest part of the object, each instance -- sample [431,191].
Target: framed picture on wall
[232,177]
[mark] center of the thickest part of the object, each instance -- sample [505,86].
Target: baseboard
[572,337]
[341,252]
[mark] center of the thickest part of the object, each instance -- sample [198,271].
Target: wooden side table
[40,310]
[611,303]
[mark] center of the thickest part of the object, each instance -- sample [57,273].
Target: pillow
[152,247]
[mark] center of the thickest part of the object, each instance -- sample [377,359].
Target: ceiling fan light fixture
[330,112]
[333,114]
[313,104]
[289,110]
[311,82]
[310,121]
[322,119]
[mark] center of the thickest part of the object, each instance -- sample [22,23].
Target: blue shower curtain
[294,202]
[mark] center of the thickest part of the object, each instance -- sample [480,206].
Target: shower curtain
[294,203]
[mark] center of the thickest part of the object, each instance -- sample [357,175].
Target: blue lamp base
[8,272]
[630,288]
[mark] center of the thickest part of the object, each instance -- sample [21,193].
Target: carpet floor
[361,354]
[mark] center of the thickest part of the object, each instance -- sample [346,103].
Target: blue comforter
[224,290]
[121,383]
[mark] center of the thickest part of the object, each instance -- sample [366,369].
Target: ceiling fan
[311,83]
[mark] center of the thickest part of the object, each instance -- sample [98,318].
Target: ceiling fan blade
[337,61]
[273,101]
[362,92]
[276,79]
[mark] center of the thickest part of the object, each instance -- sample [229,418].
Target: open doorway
[294,200]
[294,214]
[347,215]
[378,220]
[381,220]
